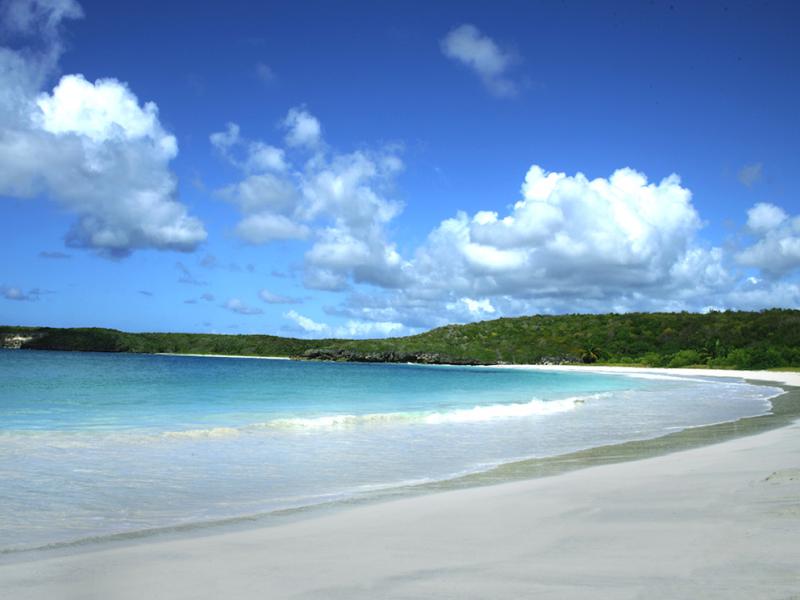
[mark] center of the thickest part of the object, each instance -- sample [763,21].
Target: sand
[721,521]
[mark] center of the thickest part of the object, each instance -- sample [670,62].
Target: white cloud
[340,200]
[90,146]
[266,227]
[776,251]
[352,328]
[263,157]
[308,325]
[764,217]
[263,192]
[346,191]
[303,129]
[267,197]
[103,111]
[758,294]
[367,329]
[478,307]
[699,271]
[324,280]
[570,244]
[568,235]
[224,141]
[467,45]
[239,307]
[258,157]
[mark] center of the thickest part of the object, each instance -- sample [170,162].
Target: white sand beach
[721,521]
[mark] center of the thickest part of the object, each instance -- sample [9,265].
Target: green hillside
[764,339]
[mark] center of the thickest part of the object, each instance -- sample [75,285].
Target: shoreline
[790,378]
[785,410]
[777,376]
[584,465]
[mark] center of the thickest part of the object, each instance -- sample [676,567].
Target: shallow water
[100,444]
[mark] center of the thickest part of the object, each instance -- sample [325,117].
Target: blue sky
[369,169]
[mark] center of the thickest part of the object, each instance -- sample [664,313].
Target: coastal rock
[13,341]
[346,355]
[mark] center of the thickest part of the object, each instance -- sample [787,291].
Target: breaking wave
[476,414]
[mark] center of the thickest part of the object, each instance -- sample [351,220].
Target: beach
[719,521]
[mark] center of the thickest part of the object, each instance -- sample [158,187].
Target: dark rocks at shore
[15,341]
[425,358]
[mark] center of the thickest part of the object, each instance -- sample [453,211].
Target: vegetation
[756,340]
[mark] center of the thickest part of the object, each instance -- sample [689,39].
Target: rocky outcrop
[14,341]
[425,358]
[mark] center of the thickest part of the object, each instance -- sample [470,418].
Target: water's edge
[785,410]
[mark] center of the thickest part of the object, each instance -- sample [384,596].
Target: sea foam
[491,412]
[478,413]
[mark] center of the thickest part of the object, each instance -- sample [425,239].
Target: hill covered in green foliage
[755,340]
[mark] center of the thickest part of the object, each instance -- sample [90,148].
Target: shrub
[685,358]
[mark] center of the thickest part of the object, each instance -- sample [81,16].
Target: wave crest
[476,414]
[508,411]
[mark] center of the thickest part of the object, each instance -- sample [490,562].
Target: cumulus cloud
[340,201]
[750,174]
[302,128]
[305,323]
[238,306]
[475,308]
[570,244]
[90,146]
[271,298]
[352,328]
[368,329]
[266,227]
[776,250]
[347,193]
[568,235]
[251,156]
[467,45]
[224,141]
[755,294]
[267,197]
[765,217]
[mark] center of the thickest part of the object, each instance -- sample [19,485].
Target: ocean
[101,445]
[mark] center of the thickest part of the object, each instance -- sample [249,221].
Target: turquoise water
[100,444]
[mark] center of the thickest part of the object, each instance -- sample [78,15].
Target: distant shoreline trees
[730,339]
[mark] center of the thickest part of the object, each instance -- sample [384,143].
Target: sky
[371,169]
